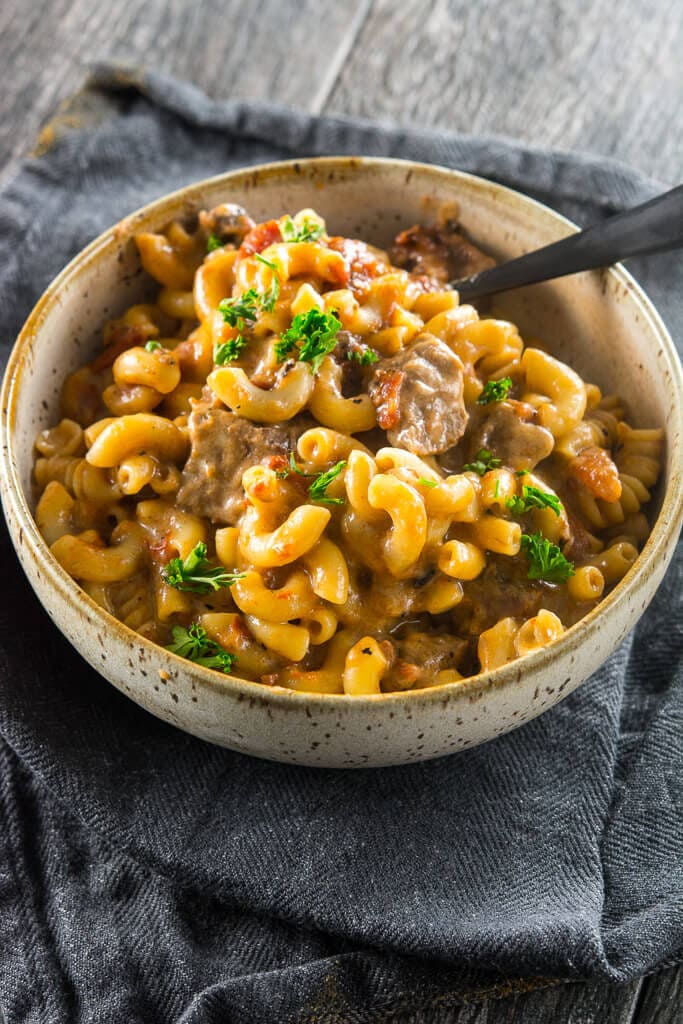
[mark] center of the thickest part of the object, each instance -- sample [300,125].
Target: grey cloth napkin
[147,876]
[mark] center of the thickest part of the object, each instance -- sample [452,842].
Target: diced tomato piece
[123,337]
[260,237]
[363,264]
[386,398]
[595,469]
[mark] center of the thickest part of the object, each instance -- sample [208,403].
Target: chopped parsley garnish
[213,242]
[496,492]
[546,561]
[269,298]
[308,232]
[236,311]
[365,356]
[483,462]
[293,468]
[495,391]
[195,573]
[195,645]
[314,334]
[427,483]
[533,497]
[244,309]
[227,351]
[322,482]
[152,346]
[522,472]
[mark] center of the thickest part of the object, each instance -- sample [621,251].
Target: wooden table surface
[577,74]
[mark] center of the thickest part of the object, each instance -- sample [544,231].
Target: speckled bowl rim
[668,521]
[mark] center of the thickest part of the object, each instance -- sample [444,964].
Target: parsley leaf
[213,242]
[483,462]
[533,497]
[244,307]
[495,391]
[365,356]
[308,232]
[282,474]
[522,472]
[152,346]
[427,483]
[195,645]
[196,574]
[227,351]
[314,332]
[269,298]
[546,561]
[322,482]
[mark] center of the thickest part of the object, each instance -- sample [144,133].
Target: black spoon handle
[653,227]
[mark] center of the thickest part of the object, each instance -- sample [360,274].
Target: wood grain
[229,48]
[661,998]
[590,74]
[580,1003]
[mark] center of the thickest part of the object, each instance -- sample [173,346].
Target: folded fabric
[147,876]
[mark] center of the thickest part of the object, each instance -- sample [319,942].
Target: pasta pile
[306,464]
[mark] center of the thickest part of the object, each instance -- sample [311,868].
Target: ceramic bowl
[585,319]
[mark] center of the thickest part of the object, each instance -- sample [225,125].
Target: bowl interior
[597,321]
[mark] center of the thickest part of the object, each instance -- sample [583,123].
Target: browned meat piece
[440,252]
[348,353]
[223,446]
[418,394]
[422,655]
[503,590]
[228,222]
[507,430]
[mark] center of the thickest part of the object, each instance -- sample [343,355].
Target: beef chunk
[228,222]
[223,446]
[418,394]
[507,430]
[425,654]
[440,252]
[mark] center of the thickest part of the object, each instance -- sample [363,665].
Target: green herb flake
[236,312]
[366,356]
[314,334]
[308,232]
[546,561]
[495,391]
[152,346]
[213,242]
[533,497]
[269,298]
[483,462]
[522,472]
[319,486]
[428,483]
[227,351]
[195,645]
[496,491]
[196,574]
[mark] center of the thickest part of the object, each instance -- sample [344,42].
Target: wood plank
[229,48]
[589,75]
[661,998]
[592,1002]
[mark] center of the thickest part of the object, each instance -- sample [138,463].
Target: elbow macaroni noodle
[350,565]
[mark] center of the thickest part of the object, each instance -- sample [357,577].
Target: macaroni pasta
[306,463]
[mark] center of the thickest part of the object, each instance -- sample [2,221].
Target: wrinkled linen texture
[149,877]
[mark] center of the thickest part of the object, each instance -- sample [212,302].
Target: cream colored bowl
[600,322]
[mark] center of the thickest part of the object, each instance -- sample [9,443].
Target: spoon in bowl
[654,226]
